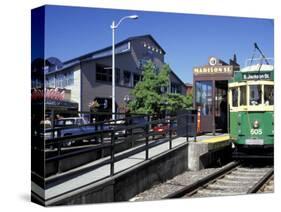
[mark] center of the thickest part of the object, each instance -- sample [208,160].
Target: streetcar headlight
[256,124]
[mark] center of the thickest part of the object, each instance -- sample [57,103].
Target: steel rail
[202,182]
[261,182]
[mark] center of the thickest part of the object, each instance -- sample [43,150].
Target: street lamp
[113,27]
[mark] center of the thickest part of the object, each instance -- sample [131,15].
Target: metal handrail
[148,133]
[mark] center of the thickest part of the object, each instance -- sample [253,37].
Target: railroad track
[234,179]
[268,187]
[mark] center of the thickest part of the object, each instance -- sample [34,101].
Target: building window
[50,82]
[175,88]
[127,78]
[117,76]
[69,78]
[59,80]
[136,79]
[103,73]
[36,83]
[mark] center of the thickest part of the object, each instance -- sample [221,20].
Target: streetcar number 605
[256,131]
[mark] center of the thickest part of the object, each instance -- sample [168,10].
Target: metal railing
[109,134]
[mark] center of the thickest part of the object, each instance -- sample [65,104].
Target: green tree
[150,94]
[146,95]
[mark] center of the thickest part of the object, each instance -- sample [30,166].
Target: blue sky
[187,39]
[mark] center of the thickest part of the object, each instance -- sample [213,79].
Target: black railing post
[59,153]
[101,138]
[147,138]
[112,153]
[53,122]
[195,125]
[58,144]
[186,126]
[170,133]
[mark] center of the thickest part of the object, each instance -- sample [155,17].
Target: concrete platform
[184,155]
[208,150]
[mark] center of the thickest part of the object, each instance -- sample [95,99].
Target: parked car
[161,129]
[75,126]
[138,121]
[164,128]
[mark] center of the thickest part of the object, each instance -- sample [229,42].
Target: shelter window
[203,97]
[255,94]
[243,96]
[234,92]
[268,95]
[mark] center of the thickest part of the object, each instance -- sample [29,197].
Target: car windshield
[65,122]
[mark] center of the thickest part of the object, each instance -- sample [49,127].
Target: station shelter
[210,83]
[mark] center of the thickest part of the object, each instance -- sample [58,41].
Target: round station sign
[212,61]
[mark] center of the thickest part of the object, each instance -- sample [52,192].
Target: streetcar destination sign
[256,76]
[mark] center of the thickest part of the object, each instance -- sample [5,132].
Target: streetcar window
[268,95]
[243,95]
[234,92]
[255,94]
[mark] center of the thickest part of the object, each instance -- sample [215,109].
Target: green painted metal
[242,122]
[241,126]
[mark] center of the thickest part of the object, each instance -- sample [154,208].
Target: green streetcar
[251,101]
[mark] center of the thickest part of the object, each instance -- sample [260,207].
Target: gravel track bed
[158,191]
[268,187]
[161,190]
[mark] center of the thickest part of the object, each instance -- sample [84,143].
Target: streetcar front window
[243,96]
[268,95]
[234,92]
[255,94]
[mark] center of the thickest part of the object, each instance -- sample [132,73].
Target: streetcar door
[221,109]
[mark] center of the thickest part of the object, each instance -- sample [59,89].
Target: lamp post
[113,27]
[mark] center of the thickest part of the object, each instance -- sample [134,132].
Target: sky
[188,39]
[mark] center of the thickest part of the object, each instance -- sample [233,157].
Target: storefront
[210,84]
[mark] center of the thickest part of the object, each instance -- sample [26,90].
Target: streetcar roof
[258,67]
